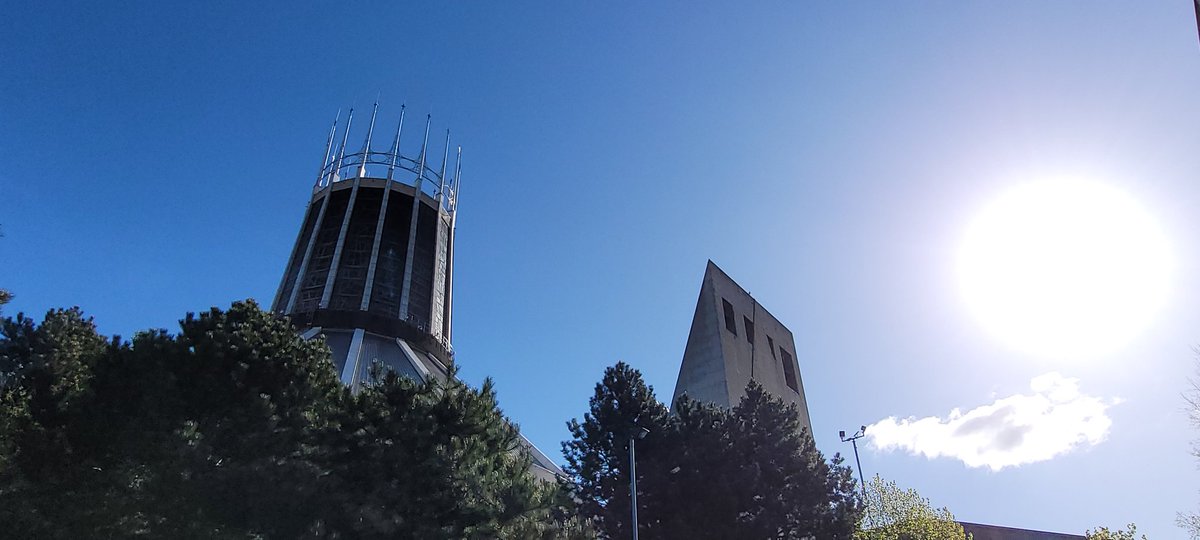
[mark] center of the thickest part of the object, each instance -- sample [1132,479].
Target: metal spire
[412,227]
[442,173]
[396,144]
[366,151]
[424,146]
[335,175]
[454,184]
[328,148]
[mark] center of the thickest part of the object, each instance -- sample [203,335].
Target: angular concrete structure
[734,340]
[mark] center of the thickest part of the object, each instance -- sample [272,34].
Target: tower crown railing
[439,184]
[388,165]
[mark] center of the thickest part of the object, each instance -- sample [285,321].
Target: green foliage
[537,527]
[903,514]
[236,428]
[705,472]
[1103,533]
[442,451]
[597,457]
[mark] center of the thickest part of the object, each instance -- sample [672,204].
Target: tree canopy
[705,472]
[236,428]
[893,513]
[1103,533]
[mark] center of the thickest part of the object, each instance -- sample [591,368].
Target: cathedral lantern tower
[372,268]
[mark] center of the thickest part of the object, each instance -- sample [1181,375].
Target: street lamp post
[639,433]
[853,439]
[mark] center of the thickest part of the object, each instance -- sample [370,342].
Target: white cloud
[1054,419]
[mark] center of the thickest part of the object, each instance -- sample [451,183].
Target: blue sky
[158,157]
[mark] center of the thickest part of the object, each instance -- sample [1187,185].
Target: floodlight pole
[853,439]
[637,434]
[854,443]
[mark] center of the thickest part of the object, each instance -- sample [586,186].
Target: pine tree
[705,472]
[598,455]
[425,460]
[236,428]
[790,490]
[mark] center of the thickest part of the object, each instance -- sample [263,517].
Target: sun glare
[1064,268]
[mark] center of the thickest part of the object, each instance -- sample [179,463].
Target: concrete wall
[702,373]
[718,362]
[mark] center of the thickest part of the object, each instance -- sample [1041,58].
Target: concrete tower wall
[325,285]
[702,376]
[336,278]
[734,340]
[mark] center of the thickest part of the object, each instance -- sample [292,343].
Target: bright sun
[1064,268]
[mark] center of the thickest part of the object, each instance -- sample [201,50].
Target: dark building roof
[994,532]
